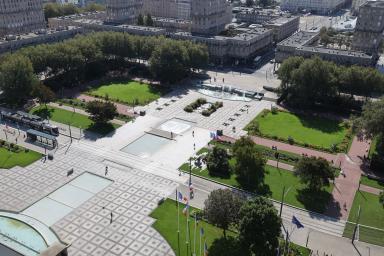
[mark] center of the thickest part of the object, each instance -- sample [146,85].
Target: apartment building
[21,16]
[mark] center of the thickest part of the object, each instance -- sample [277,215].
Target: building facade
[21,16]
[127,11]
[369,27]
[283,27]
[209,17]
[315,6]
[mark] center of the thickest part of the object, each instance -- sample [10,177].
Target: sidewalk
[346,187]
[294,149]
[369,189]
[284,166]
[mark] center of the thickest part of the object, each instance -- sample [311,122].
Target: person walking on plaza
[106,170]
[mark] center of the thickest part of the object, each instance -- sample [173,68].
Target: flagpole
[200,243]
[194,238]
[186,234]
[178,223]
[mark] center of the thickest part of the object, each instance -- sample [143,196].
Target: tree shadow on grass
[45,113]
[316,201]
[321,124]
[226,247]
[97,130]
[260,188]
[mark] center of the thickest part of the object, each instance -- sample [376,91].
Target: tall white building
[21,16]
[210,16]
[315,6]
[123,10]
[176,9]
[369,27]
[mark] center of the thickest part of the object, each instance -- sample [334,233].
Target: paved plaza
[88,229]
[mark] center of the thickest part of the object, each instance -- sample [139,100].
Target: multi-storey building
[160,8]
[356,5]
[304,44]
[369,27]
[21,16]
[316,6]
[210,17]
[123,10]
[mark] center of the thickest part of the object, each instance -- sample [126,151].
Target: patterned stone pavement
[130,198]
[233,113]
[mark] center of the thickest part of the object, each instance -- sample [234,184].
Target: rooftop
[299,39]
[39,33]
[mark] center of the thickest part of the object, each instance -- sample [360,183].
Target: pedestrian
[223,79]
[193,134]
[111,216]
[171,135]
[194,146]
[106,170]
[247,111]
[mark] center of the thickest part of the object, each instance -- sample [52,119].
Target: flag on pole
[297,222]
[185,210]
[180,196]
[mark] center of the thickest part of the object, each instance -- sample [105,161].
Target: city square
[191,127]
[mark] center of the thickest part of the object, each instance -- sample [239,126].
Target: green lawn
[309,130]
[11,159]
[166,225]
[372,183]
[275,179]
[74,119]
[128,92]
[371,214]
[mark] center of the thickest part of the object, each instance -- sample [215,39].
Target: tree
[315,172]
[265,3]
[101,111]
[169,62]
[17,79]
[140,20]
[43,93]
[250,163]
[149,21]
[324,37]
[221,208]
[217,162]
[371,121]
[249,3]
[259,226]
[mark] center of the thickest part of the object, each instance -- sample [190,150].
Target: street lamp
[282,198]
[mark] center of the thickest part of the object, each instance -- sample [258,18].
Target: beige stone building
[123,10]
[20,16]
[369,27]
[160,8]
[210,17]
[316,6]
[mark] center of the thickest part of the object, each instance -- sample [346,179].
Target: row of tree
[169,60]
[52,10]
[308,82]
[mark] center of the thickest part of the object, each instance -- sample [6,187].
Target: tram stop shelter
[41,137]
